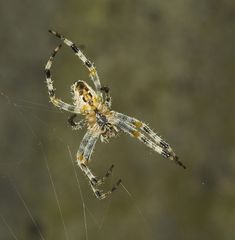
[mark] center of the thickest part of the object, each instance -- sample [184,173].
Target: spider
[101,121]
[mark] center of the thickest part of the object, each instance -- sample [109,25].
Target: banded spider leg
[90,66]
[51,90]
[83,157]
[132,126]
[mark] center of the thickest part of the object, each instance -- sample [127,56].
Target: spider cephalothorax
[101,121]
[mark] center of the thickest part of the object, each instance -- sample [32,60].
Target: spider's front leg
[76,125]
[83,156]
[51,90]
[89,65]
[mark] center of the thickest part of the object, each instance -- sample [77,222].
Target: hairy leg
[51,90]
[83,156]
[91,68]
[133,131]
[145,128]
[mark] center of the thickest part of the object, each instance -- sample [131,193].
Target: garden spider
[101,121]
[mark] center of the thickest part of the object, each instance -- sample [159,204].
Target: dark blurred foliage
[168,63]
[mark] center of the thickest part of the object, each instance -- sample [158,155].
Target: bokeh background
[168,63]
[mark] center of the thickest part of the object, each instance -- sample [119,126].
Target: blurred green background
[168,63]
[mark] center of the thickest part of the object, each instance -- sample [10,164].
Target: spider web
[88,212]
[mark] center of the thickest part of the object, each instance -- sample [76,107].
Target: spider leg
[76,125]
[51,90]
[90,66]
[107,97]
[100,194]
[134,132]
[108,173]
[145,128]
[83,156]
[89,148]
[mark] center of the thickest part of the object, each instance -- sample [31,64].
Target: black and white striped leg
[100,194]
[101,180]
[107,97]
[108,173]
[134,132]
[90,66]
[146,129]
[76,125]
[51,90]
[83,156]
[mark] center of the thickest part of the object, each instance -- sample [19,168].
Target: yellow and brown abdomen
[85,97]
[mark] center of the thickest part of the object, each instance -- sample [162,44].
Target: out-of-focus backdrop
[168,63]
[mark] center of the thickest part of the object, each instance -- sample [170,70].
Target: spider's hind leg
[133,126]
[101,180]
[94,182]
[83,157]
[146,129]
[100,194]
